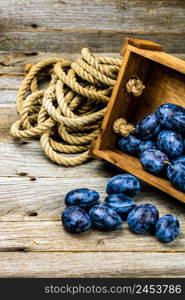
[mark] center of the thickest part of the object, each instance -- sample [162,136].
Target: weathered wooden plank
[99,41]
[8,116]
[10,82]
[45,236]
[18,159]
[14,63]
[7,97]
[27,157]
[92,265]
[22,195]
[130,16]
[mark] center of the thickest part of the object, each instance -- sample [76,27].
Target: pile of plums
[159,141]
[84,211]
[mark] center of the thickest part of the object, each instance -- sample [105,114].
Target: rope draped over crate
[67,114]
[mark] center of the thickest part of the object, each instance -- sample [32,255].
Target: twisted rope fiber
[66,116]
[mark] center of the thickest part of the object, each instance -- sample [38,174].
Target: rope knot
[122,127]
[135,86]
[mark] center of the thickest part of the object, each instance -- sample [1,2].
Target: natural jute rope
[122,127]
[67,114]
[135,86]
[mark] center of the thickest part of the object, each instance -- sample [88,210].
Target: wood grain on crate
[32,241]
[48,25]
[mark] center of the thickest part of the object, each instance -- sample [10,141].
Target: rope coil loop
[66,115]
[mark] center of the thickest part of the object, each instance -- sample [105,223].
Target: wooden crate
[164,78]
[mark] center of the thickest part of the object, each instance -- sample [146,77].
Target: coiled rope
[66,116]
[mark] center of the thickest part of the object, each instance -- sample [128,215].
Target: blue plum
[129,145]
[166,112]
[179,159]
[123,183]
[120,203]
[169,171]
[122,143]
[105,218]
[167,228]
[143,218]
[148,127]
[146,145]
[176,174]
[179,121]
[83,197]
[75,219]
[171,143]
[154,161]
[155,133]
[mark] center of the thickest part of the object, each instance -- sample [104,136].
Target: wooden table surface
[33,242]
[56,25]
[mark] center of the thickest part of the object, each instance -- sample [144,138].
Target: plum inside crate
[164,78]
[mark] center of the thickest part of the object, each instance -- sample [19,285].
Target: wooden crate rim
[161,57]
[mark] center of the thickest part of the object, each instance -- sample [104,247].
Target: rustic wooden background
[69,25]
[32,241]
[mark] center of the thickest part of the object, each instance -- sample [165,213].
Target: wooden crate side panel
[133,166]
[163,85]
[122,104]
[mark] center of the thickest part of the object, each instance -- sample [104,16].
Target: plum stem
[167,162]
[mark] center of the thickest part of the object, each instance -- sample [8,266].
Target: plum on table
[75,219]
[143,218]
[167,228]
[126,184]
[104,218]
[120,203]
[83,197]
